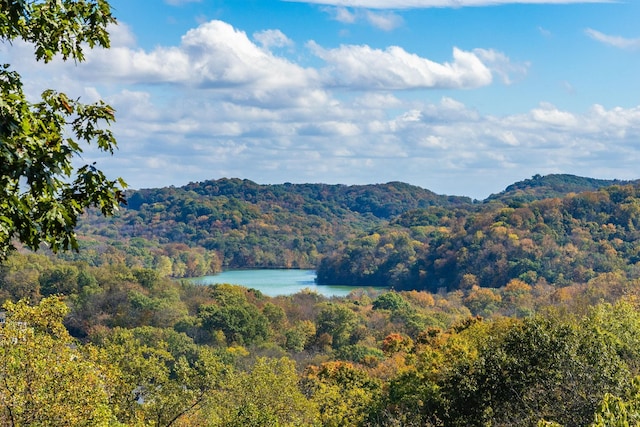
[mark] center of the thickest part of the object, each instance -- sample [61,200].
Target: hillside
[561,241]
[390,234]
[235,223]
[549,186]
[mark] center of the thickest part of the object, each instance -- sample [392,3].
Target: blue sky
[460,97]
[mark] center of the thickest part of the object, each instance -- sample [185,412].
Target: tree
[338,322]
[392,301]
[540,368]
[266,395]
[42,193]
[343,393]
[45,378]
[157,377]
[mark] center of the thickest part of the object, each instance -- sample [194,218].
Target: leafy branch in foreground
[42,193]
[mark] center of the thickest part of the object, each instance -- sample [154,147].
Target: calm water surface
[275,282]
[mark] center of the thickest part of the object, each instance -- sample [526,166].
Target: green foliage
[240,321]
[556,363]
[57,26]
[42,194]
[44,379]
[546,187]
[617,411]
[363,360]
[249,225]
[267,395]
[61,280]
[573,240]
[344,394]
[392,301]
[19,276]
[337,322]
[300,335]
[517,374]
[157,376]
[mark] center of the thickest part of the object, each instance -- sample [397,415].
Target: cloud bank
[221,103]
[217,56]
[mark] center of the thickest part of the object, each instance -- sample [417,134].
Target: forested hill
[381,200]
[575,239]
[234,223]
[549,186]
[394,234]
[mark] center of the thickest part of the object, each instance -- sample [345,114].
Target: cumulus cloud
[212,56]
[422,4]
[548,114]
[395,68]
[615,41]
[375,137]
[216,56]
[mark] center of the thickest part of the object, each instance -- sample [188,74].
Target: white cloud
[121,35]
[423,4]
[272,38]
[384,21]
[449,110]
[500,64]
[216,56]
[377,100]
[616,41]
[394,69]
[212,56]
[549,115]
[342,14]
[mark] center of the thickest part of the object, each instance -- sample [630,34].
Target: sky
[461,97]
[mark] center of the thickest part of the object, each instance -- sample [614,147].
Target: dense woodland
[506,312]
[233,223]
[560,241]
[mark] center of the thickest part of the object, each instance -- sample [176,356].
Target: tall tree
[42,193]
[45,378]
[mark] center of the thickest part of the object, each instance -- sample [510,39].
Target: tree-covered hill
[381,200]
[561,241]
[238,223]
[390,234]
[549,186]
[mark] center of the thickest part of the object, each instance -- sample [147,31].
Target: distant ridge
[551,186]
[253,225]
[381,200]
[381,234]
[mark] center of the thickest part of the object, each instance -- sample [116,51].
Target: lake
[275,282]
